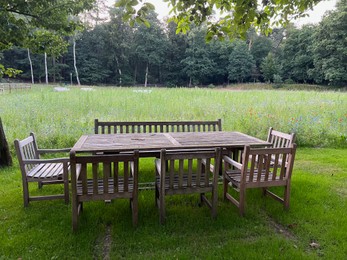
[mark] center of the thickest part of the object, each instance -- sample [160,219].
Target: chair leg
[264,191]
[25,193]
[156,195]
[214,201]
[66,182]
[225,188]
[242,202]
[135,211]
[286,197]
[66,191]
[74,215]
[161,208]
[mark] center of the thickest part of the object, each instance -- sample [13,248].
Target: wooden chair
[279,139]
[173,178]
[104,177]
[260,168]
[42,171]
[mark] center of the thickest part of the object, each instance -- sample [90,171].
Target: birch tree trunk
[74,62]
[46,69]
[53,63]
[31,67]
[119,71]
[146,76]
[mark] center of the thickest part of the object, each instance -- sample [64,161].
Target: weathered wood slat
[261,168]
[105,127]
[181,172]
[42,171]
[112,176]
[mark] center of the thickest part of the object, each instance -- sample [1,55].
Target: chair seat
[47,171]
[234,176]
[193,184]
[101,187]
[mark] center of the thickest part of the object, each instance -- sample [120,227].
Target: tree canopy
[234,19]
[19,18]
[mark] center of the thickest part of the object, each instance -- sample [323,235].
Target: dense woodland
[113,53]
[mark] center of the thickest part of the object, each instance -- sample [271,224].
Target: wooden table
[155,141]
[149,144]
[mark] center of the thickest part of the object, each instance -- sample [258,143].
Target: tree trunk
[146,75]
[31,68]
[53,63]
[190,82]
[74,62]
[119,71]
[46,69]
[135,73]
[5,155]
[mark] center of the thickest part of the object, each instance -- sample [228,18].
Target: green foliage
[241,62]
[270,67]
[197,64]
[236,17]
[18,18]
[114,53]
[278,82]
[10,72]
[297,58]
[330,47]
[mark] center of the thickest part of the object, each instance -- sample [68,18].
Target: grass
[319,193]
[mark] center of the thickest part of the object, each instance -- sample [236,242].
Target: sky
[315,15]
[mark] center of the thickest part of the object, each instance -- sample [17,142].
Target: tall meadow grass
[59,118]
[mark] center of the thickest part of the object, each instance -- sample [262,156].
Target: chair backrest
[105,176]
[26,149]
[156,127]
[185,169]
[263,167]
[279,139]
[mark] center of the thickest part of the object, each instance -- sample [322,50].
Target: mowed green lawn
[314,227]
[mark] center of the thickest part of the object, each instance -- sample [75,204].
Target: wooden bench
[42,171]
[103,127]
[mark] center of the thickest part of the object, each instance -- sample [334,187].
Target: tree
[330,47]
[18,18]
[241,62]
[197,63]
[235,18]
[297,58]
[269,67]
[43,41]
[150,46]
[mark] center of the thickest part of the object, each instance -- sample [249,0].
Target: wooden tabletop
[157,141]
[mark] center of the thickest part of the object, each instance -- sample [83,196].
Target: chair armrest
[234,163]
[54,160]
[61,150]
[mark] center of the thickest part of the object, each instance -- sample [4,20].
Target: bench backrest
[156,127]
[26,149]
[264,167]
[103,177]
